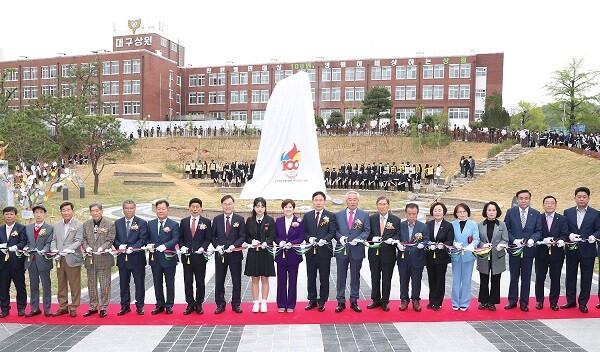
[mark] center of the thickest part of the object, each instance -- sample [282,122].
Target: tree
[335,119]
[6,93]
[572,86]
[495,115]
[319,121]
[529,117]
[99,137]
[29,138]
[376,101]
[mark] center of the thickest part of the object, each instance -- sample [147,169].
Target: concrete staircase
[430,193]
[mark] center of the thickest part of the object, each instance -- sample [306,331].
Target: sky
[537,38]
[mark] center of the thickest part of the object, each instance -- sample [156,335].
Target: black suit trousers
[436,276]
[235,269]
[542,263]
[381,280]
[587,271]
[315,264]
[8,274]
[197,272]
[520,270]
[169,277]
[139,277]
[487,294]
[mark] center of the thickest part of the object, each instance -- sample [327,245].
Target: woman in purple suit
[289,230]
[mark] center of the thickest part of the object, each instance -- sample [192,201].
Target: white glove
[518,242]
[321,242]
[547,241]
[108,250]
[244,245]
[312,240]
[574,237]
[88,249]
[41,251]
[499,247]
[255,243]
[161,248]
[530,242]
[230,249]
[592,239]
[200,250]
[67,250]
[282,244]
[288,245]
[458,245]
[122,247]
[389,241]
[25,248]
[100,250]
[432,247]
[343,240]
[184,250]
[440,245]
[354,242]
[264,245]
[2,245]
[150,247]
[470,247]
[377,239]
[220,249]
[129,250]
[420,245]
[560,243]
[12,248]
[400,247]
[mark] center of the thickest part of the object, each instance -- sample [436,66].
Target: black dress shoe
[103,313]
[583,309]
[124,311]
[524,308]
[340,307]
[321,306]
[568,305]
[539,305]
[4,314]
[33,313]
[554,307]
[374,304]
[429,305]
[492,307]
[157,310]
[354,306]
[220,309]
[482,306]
[436,308]
[188,310]
[169,310]
[237,309]
[310,305]
[90,312]
[385,307]
[199,309]
[21,312]
[47,314]
[598,305]
[510,305]
[139,310]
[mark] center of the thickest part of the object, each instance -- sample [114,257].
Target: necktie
[160,230]
[411,227]
[549,222]
[36,232]
[381,225]
[523,218]
[128,225]
[317,219]
[227,226]
[193,227]
[350,219]
[259,221]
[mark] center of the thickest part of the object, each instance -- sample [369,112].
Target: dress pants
[35,276]
[342,273]
[409,273]
[489,294]
[520,268]
[436,276]
[587,271]
[461,283]
[71,276]
[169,278]
[381,280]
[17,276]
[235,269]
[287,282]
[195,272]
[541,269]
[314,265]
[139,276]
[95,276]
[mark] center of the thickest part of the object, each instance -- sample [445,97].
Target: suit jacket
[201,239]
[103,238]
[20,240]
[71,241]
[237,235]
[326,230]
[268,230]
[387,252]
[43,242]
[169,238]
[412,254]
[500,235]
[532,229]
[136,238]
[360,230]
[558,231]
[445,235]
[589,226]
[469,235]
[294,235]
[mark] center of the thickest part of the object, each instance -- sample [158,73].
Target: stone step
[137,174]
[148,183]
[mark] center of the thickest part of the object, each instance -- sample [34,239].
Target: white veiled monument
[288,163]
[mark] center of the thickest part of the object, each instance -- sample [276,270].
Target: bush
[178,169]
[495,150]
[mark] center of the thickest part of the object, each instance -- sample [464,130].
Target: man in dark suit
[163,234]
[39,237]
[524,227]
[554,230]
[131,232]
[228,232]
[353,228]
[193,242]
[584,228]
[385,229]
[12,268]
[411,259]
[320,228]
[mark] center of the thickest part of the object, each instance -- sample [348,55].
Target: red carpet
[300,316]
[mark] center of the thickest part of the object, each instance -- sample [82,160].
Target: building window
[438,92]
[400,93]
[411,93]
[458,113]
[234,97]
[136,66]
[30,92]
[336,94]
[465,91]
[325,94]
[326,113]
[136,86]
[481,72]
[49,90]
[478,114]
[336,74]
[349,74]
[326,75]
[212,79]
[359,93]
[221,97]
[45,72]
[196,98]
[400,72]
[30,73]
[480,93]
[349,94]
[106,68]
[126,66]
[239,78]
[258,115]
[163,42]
[126,87]
[438,71]
[411,72]
[454,71]
[359,74]
[264,96]
[350,113]
[427,71]
[432,111]
[376,73]
[404,114]
[312,74]
[212,97]
[67,70]
[386,73]
[427,92]
[465,71]
[127,110]
[114,88]
[279,75]
[105,88]
[453,92]
[313,92]
[239,115]
[174,47]
[114,67]
[221,79]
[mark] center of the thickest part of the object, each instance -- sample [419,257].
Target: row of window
[112,108]
[68,70]
[403,113]
[129,87]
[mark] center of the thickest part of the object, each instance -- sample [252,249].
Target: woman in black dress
[260,233]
